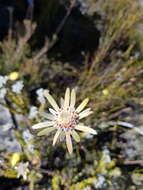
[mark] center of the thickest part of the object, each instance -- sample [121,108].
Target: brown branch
[43,50]
[29,30]
[46,172]
[13,118]
[29,13]
[10,9]
[48,45]
[128,162]
[72,4]
[116,114]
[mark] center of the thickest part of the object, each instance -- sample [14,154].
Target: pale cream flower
[65,119]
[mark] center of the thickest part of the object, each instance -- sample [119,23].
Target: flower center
[67,119]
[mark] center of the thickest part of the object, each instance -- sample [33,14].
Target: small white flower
[65,119]
[3,92]
[27,136]
[41,98]
[22,170]
[30,147]
[83,6]
[101,180]
[3,80]
[17,87]
[33,112]
[106,155]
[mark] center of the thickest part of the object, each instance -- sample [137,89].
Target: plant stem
[31,185]
[12,114]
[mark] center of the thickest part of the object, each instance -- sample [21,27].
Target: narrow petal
[62,136]
[69,142]
[88,109]
[85,113]
[62,102]
[73,98]
[52,111]
[46,131]
[42,125]
[85,129]
[82,105]
[67,98]
[75,136]
[52,101]
[56,137]
[47,115]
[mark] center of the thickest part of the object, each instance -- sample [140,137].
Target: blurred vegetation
[100,54]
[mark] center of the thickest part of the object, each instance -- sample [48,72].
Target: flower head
[22,170]
[13,76]
[17,87]
[65,119]
[15,159]
[3,92]
[41,98]
[3,80]
[33,112]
